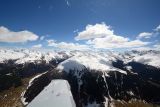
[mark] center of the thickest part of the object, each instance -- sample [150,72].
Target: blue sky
[57,20]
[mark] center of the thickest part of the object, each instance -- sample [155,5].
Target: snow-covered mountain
[27,56]
[21,56]
[16,64]
[150,57]
[96,78]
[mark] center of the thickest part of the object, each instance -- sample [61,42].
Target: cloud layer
[107,43]
[97,36]
[102,36]
[144,35]
[68,46]
[157,28]
[14,37]
[157,46]
[37,46]
[94,31]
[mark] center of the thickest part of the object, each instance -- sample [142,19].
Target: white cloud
[142,48]
[144,35]
[102,36]
[37,46]
[94,31]
[154,47]
[110,43]
[75,31]
[157,46]
[149,34]
[157,28]
[72,46]
[42,37]
[14,37]
[68,46]
[51,42]
[67,2]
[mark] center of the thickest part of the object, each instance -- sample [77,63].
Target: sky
[80,24]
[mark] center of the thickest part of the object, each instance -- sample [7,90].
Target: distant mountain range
[95,78]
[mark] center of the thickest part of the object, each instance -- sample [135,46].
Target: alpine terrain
[82,78]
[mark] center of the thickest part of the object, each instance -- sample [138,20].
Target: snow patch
[129,68]
[56,94]
[149,59]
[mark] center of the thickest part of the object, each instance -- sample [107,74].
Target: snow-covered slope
[148,57]
[152,59]
[56,94]
[100,60]
[22,56]
[10,54]
[90,61]
[98,78]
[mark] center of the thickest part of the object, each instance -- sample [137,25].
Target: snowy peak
[148,57]
[98,60]
[22,56]
[88,61]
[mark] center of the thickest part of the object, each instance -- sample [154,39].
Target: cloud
[67,2]
[157,28]
[72,46]
[14,37]
[157,46]
[37,46]
[51,42]
[102,36]
[142,48]
[144,35]
[42,37]
[68,46]
[75,31]
[94,31]
[110,43]
[149,34]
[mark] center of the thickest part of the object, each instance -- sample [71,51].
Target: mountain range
[82,78]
